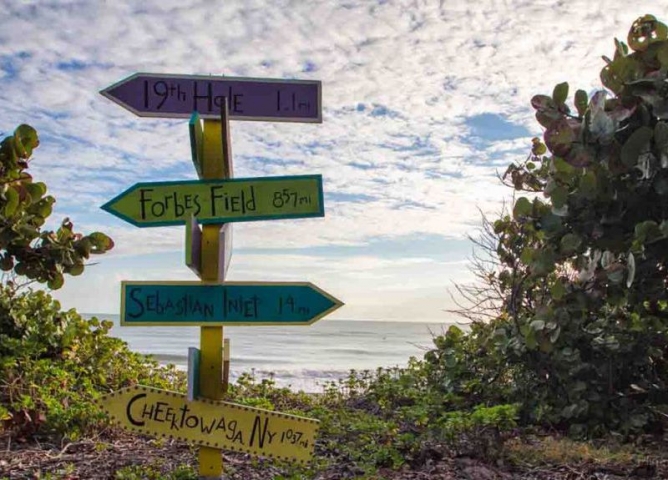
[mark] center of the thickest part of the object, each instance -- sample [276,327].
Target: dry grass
[539,451]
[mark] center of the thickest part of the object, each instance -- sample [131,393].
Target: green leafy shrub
[26,250]
[581,330]
[54,363]
[479,431]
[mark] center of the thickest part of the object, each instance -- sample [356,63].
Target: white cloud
[416,171]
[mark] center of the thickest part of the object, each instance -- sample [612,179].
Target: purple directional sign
[178,96]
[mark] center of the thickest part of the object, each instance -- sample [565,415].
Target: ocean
[299,357]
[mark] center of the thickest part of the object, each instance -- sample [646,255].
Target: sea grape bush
[584,257]
[55,363]
[26,250]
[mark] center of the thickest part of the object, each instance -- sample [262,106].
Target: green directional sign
[219,201]
[229,303]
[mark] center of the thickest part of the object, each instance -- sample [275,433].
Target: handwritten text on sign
[177,96]
[229,303]
[211,423]
[217,201]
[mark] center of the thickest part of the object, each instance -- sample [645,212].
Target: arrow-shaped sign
[212,423]
[219,201]
[229,303]
[177,96]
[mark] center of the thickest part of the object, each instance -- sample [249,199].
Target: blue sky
[423,104]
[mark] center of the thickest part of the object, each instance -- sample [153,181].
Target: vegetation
[582,276]
[53,363]
[27,251]
[568,328]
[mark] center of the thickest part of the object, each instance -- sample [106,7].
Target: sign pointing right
[228,303]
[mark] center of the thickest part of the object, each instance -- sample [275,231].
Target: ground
[127,457]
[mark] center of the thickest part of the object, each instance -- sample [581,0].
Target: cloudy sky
[424,102]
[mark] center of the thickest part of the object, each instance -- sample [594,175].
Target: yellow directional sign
[212,423]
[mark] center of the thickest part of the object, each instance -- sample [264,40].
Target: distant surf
[298,357]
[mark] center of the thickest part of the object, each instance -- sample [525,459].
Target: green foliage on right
[583,274]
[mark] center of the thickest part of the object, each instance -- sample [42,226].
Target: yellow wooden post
[216,165]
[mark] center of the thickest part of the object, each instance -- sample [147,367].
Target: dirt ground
[100,459]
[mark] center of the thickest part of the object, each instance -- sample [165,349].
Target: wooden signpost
[215,200]
[194,246]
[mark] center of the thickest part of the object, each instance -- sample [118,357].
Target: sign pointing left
[177,96]
[219,201]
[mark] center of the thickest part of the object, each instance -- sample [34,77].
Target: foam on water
[301,358]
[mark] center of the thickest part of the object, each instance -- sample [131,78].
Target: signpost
[161,204]
[215,200]
[228,303]
[215,166]
[178,96]
[212,423]
[226,365]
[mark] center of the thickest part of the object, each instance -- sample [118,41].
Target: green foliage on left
[26,250]
[54,363]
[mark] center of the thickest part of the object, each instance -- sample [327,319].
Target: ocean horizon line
[430,321]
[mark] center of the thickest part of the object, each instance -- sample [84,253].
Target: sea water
[299,357]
